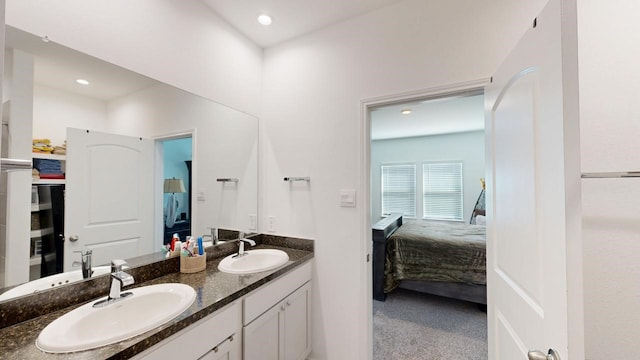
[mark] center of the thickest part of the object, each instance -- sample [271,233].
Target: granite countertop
[214,290]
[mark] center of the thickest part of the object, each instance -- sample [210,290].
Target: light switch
[348,198]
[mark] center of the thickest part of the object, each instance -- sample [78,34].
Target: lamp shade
[174,186]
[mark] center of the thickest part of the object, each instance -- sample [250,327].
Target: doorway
[425,161]
[174,156]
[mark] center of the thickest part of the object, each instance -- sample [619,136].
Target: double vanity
[242,312]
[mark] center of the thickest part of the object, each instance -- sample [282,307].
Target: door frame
[365,316]
[158,182]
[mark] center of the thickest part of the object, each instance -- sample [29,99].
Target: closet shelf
[35,260]
[48,181]
[40,207]
[49,156]
[41,232]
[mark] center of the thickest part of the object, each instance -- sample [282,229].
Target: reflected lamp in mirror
[172,186]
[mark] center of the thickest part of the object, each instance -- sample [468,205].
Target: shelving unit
[41,228]
[44,232]
[48,181]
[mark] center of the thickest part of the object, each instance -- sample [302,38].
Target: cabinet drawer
[260,300]
[199,338]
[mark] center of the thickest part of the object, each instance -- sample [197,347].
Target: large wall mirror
[141,160]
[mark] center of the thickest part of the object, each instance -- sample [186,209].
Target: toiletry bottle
[200,246]
[173,241]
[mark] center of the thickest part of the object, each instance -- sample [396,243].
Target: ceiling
[430,117]
[291,18]
[58,67]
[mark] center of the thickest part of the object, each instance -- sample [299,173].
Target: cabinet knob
[282,307]
[73,238]
[231,338]
[288,303]
[215,349]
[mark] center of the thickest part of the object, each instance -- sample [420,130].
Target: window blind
[442,191]
[399,189]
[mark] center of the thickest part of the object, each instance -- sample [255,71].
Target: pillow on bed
[481,220]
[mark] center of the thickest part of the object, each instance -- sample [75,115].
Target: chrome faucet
[213,236]
[85,257]
[119,279]
[241,241]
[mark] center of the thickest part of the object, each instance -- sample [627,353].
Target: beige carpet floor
[415,326]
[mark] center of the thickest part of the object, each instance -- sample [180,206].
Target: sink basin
[254,261]
[50,282]
[87,327]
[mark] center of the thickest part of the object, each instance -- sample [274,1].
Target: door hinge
[368,257]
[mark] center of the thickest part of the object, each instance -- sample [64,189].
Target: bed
[438,257]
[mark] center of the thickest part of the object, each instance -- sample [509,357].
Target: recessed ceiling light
[82,82]
[405,111]
[264,19]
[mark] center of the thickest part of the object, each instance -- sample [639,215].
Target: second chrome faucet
[241,241]
[119,279]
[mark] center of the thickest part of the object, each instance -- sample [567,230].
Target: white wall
[467,147]
[310,126]
[55,110]
[609,48]
[181,43]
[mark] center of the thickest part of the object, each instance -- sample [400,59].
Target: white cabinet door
[262,340]
[283,332]
[297,324]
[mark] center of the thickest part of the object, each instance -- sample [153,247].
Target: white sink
[87,327]
[253,261]
[50,282]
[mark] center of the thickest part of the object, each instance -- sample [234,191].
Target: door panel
[262,340]
[109,196]
[530,210]
[514,168]
[297,324]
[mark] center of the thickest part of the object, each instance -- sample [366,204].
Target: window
[399,189]
[442,191]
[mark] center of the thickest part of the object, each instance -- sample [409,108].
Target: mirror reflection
[124,162]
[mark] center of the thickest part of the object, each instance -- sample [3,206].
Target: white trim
[365,314]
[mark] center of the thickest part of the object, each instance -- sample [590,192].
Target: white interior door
[532,166]
[109,196]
